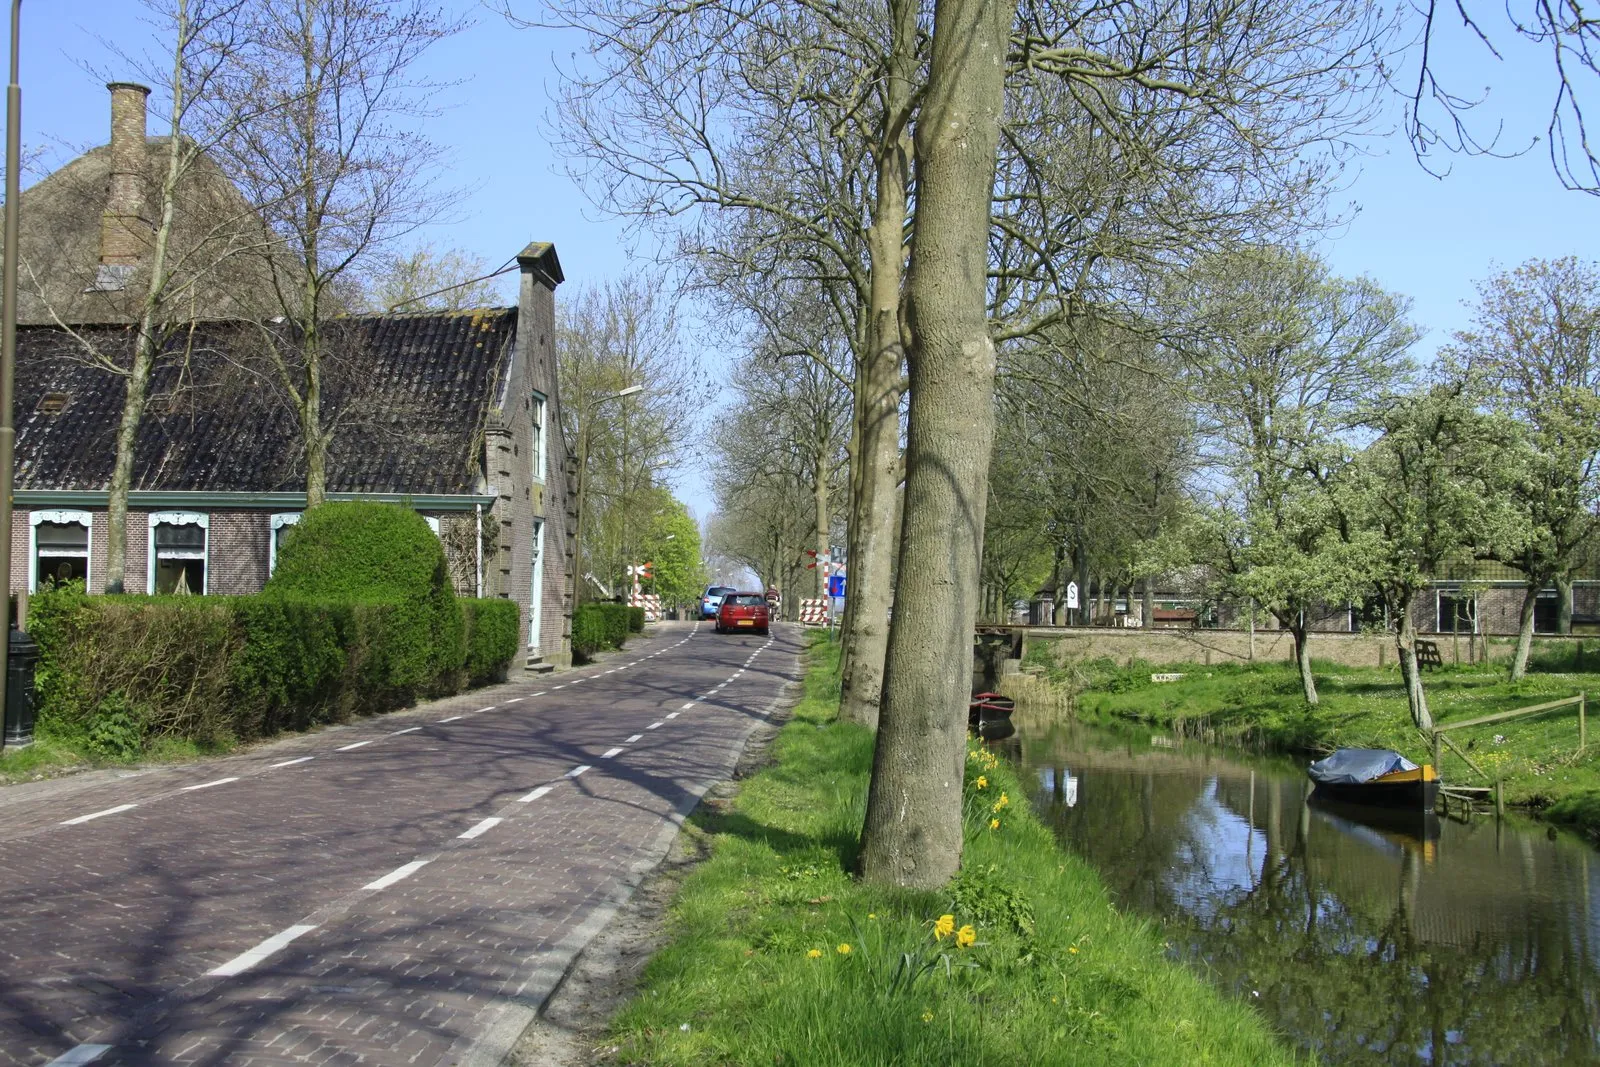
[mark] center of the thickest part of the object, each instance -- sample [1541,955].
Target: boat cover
[1352,766]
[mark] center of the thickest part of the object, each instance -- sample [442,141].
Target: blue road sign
[836,585]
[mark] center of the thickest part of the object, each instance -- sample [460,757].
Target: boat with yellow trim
[1378,777]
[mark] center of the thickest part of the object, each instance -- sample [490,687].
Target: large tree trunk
[878,387]
[912,836]
[1406,642]
[1148,607]
[819,496]
[1530,600]
[1302,655]
[1563,603]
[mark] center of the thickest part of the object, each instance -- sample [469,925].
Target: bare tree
[333,163]
[428,279]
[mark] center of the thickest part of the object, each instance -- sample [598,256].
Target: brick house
[453,413]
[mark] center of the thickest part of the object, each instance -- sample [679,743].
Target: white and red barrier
[814,611]
[650,602]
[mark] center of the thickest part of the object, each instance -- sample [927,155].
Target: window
[1546,612]
[282,523]
[537,459]
[1458,613]
[60,549]
[178,552]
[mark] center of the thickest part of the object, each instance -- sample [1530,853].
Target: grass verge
[778,956]
[50,756]
[1261,704]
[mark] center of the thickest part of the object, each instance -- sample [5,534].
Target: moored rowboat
[1375,776]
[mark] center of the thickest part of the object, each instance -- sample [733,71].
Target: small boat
[986,707]
[1376,777]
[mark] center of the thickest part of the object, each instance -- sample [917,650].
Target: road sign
[836,586]
[1072,594]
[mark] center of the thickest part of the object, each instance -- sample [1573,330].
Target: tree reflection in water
[1460,944]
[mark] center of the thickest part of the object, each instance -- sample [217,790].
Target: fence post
[1438,752]
[1583,725]
[1499,798]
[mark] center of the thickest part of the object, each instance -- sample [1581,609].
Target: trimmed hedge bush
[597,627]
[357,553]
[636,620]
[118,672]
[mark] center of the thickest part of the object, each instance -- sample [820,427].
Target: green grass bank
[778,956]
[1261,705]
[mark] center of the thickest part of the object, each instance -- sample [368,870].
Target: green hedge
[359,553]
[636,620]
[597,627]
[117,672]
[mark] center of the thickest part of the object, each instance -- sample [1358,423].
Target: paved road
[403,890]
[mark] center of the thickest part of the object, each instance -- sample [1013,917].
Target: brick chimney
[125,228]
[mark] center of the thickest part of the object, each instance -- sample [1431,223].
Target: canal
[1417,941]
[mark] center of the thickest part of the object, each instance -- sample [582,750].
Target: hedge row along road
[407,889]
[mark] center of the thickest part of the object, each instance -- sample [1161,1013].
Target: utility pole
[8,333]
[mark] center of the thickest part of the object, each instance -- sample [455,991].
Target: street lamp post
[8,334]
[584,435]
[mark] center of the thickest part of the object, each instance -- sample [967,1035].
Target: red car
[743,611]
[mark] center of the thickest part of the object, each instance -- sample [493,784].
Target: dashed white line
[578,770]
[687,706]
[613,670]
[452,718]
[673,714]
[540,693]
[291,762]
[79,1056]
[535,795]
[99,814]
[608,753]
[652,726]
[403,871]
[513,700]
[407,730]
[491,707]
[246,960]
[634,738]
[208,785]
[358,744]
[563,685]
[482,828]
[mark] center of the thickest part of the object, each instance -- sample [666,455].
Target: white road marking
[652,726]
[634,738]
[610,752]
[578,770]
[672,714]
[482,828]
[401,872]
[98,814]
[563,685]
[291,762]
[687,706]
[452,718]
[407,730]
[246,960]
[80,1055]
[540,693]
[535,795]
[358,744]
[491,707]
[208,785]
[513,700]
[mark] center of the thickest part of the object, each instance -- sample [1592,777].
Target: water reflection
[1368,940]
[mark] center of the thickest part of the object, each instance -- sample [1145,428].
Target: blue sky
[1426,237]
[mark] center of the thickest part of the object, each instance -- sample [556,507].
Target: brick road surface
[363,906]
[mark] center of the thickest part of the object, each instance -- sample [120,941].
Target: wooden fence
[1439,739]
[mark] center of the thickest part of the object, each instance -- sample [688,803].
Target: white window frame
[280,519]
[536,602]
[541,411]
[179,518]
[83,518]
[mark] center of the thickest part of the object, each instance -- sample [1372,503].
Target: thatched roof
[216,246]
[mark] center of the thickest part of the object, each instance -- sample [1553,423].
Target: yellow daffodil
[1072,949]
[965,937]
[943,926]
[872,915]
[982,782]
[994,824]
[1004,800]
[927,1016]
[843,949]
[816,954]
